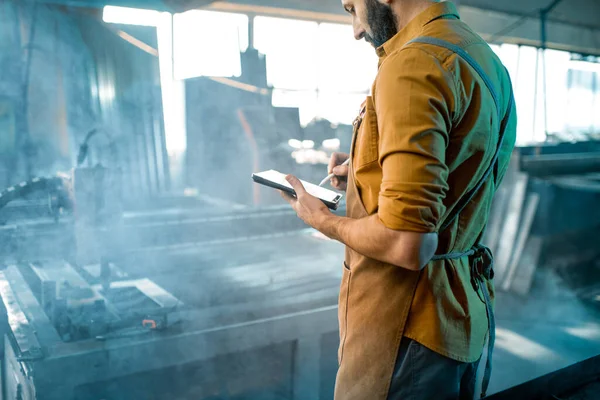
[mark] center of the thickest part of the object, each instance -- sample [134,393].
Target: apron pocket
[343,309]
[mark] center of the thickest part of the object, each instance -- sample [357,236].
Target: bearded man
[430,148]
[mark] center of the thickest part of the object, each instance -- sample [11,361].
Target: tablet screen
[317,191]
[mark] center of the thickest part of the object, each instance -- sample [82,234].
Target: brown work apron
[374,302]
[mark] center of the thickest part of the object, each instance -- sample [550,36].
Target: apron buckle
[482,265]
[361,115]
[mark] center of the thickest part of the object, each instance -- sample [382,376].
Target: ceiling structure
[572,25]
[575,12]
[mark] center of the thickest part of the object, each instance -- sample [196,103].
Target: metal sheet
[511,226]
[561,164]
[124,356]
[530,210]
[23,331]
[529,262]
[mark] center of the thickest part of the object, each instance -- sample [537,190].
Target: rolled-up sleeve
[414,99]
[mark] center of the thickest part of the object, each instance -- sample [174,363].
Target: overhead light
[310,156]
[585,66]
[130,16]
[308,144]
[295,143]
[331,144]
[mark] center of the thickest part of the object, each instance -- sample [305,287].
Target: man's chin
[371,42]
[375,45]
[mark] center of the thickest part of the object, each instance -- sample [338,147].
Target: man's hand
[367,236]
[309,208]
[340,180]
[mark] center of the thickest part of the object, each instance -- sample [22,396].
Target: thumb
[296,184]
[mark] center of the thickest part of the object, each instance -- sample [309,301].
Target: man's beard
[382,23]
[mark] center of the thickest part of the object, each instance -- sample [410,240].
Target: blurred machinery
[161,296]
[236,131]
[166,296]
[545,218]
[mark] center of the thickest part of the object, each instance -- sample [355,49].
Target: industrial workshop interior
[151,247]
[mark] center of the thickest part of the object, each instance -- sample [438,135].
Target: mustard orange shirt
[431,131]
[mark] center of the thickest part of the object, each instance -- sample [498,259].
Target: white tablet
[277,180]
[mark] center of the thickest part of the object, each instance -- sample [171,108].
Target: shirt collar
[413,28]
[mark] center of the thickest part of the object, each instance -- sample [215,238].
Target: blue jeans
[422,374]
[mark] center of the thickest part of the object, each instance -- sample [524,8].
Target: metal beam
[544,21]
[577,38]
[281,12]
[561,36]
[560,164]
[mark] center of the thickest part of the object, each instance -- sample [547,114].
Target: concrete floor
[548,330]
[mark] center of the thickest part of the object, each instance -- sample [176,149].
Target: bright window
[209,43]
[347,69]
[291,50]
[323,71]
[319,68]
[566,101]
[345,64]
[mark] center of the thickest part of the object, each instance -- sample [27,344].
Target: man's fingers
[288,197]
[332,163]
[335,160]
[336,183]
[340,157]
[296,184]
[341,170]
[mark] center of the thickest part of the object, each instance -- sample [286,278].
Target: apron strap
[464,201]
[480,257]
